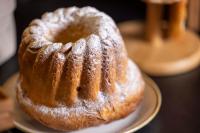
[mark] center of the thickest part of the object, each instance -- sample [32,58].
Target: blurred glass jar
[7,30]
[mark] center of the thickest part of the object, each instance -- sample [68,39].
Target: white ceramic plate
[136,120]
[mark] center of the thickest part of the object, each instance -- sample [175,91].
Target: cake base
[169,57]
[89,113]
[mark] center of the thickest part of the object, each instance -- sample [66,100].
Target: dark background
[119,10]
[180,111]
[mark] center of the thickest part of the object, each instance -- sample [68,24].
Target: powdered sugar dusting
[134,83]
[95,21]
[86,107]
[79,47]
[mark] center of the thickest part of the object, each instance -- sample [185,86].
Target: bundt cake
[74,70]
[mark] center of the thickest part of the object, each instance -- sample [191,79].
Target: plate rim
[157,107]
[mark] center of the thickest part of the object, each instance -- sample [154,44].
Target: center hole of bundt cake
[71,33]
